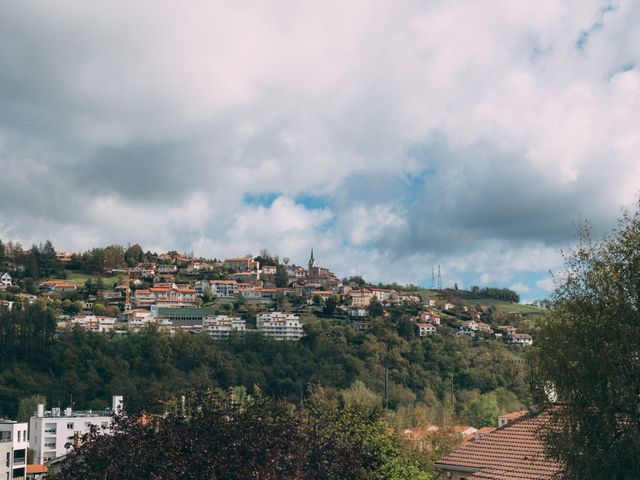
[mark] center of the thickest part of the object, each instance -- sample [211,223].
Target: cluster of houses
[275,325]
[151,291]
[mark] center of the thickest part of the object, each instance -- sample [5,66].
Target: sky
[391,137]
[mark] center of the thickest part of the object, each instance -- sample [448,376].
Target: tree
[28,406]
[483,411]
[330,305]
[134,255]
[282,278]
[216,437]
[588,356]
[375,308]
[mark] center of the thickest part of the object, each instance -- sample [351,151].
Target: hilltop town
[118,290]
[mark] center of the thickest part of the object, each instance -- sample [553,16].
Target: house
[280,326]
[50,431]
[224,288]
[471,325]
[5,279]
[359,299]
[58,286]
[512,451]
[484,327]
[510,417]
[359,312]
[240,264]
[465,332]
[430,317]
[13,449]
[425,329]
[521,339]
[269,270]
[94,323]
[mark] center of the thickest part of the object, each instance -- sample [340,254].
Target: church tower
[312,262]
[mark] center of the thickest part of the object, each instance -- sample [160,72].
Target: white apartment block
[94,323]
[13,449]
[219,327]
[51,431]
[280,326]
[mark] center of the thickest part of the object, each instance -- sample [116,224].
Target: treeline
[475,292]
[436,374]
[26,335]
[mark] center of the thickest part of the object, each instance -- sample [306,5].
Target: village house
[220,327]
[269,270]
[240,264]
[430,317]
[94,323]
[5,279]
[58,286]
[357,312]
[514,450]
[521,339]
[425,329]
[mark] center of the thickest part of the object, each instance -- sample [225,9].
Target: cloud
[373,131]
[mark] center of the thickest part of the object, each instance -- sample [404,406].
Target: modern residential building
[51,431]
[13,449]
[219,327]
[280,326]
[94,323]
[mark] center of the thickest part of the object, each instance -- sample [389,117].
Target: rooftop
[512,452]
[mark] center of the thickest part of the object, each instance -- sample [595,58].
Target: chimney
[68,412]
[117,404]
[40,413]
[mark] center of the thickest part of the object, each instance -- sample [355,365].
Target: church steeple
[312,261]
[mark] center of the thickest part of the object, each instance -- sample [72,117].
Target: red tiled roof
[511,452]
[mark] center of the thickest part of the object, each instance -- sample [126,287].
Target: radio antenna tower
[439,279]
[433,278]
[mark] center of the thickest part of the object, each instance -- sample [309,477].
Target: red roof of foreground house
[512,452]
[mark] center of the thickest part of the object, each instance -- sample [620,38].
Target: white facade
[224,288]
[425,329]
[51,431]
[5,279]
[219,327]
[280,326]
[521,339]
[13,449]
[94,323]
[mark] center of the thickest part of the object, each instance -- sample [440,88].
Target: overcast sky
[391,136]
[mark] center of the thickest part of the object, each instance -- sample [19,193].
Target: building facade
[280,326]
[50,431]
[13,449]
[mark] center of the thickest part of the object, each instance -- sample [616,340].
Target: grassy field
[501,306]
[81,278]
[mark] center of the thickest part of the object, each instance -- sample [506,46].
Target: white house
[50,431]
[425,329]
[94,323]
[521,339]
[5,279]
[13,449]
[280,326]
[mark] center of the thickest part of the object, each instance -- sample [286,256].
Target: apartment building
[280,326]
[13,449]
[219,327]
[50,431]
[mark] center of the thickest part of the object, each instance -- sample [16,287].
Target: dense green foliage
[209,437]
[589,357]
[150,366]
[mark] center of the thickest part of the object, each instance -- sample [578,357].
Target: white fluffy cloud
[461,133]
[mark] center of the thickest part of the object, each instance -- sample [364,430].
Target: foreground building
[13,449]
[50,431]
[512,451]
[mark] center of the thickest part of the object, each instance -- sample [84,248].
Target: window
[19,435]
[70,426]
[8,458]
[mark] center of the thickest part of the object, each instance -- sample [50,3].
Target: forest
[435,379]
